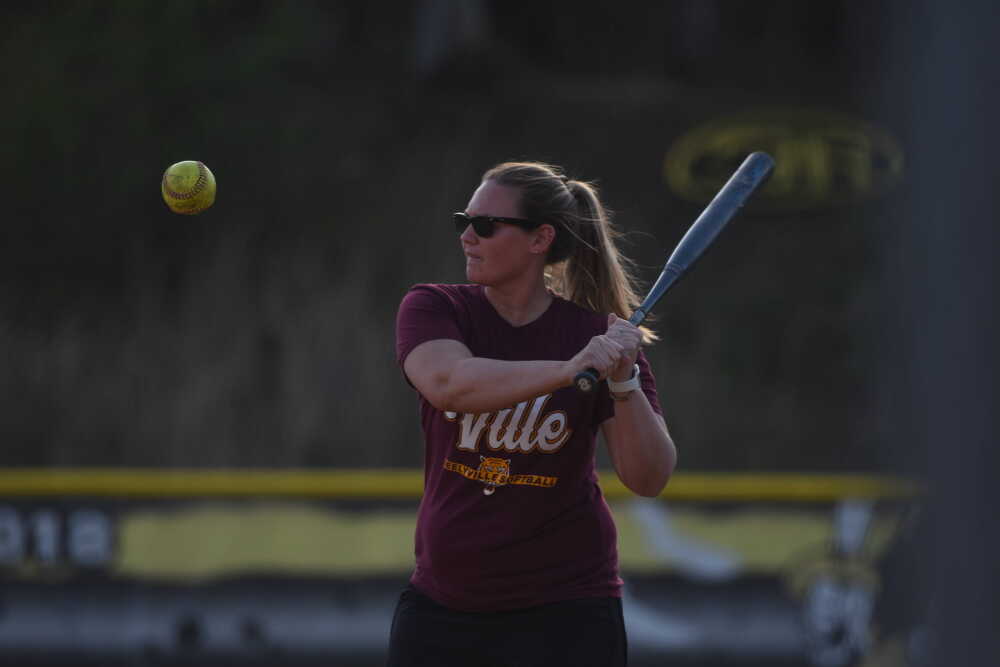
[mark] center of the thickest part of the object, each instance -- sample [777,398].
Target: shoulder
[431,312]
[439,297]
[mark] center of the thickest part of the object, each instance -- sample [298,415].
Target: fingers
[612,353]
[608,354]
[602,354]
[626,334]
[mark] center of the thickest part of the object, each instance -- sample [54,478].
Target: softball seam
[199,185]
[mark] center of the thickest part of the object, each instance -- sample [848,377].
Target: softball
[188,187]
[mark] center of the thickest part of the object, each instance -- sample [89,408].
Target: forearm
[477,385]
[641,448]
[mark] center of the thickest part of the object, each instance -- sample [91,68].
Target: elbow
[448,403]
[447,397]
[654,478]
[438,393]
[651,487]
[458,393]
[446,388]
[448,391]
[443,400]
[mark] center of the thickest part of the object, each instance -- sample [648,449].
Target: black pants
[578,633]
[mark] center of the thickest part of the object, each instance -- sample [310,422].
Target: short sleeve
[425,313]
[647,382]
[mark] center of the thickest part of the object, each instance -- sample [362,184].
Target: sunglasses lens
[482,226]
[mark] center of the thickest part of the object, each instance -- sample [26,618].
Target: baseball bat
[744,181]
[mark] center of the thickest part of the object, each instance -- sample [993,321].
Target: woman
[516,557]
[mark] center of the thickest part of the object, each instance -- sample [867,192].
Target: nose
[468,236]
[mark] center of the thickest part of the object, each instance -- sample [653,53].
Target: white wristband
[628,385]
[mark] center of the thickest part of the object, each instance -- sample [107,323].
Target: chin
[476,277]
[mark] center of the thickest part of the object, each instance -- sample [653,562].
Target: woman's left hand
[629,337]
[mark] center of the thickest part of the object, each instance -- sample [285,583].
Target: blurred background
[209,452]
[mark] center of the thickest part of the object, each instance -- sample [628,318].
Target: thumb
[612,318]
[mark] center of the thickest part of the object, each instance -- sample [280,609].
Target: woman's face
[510,251]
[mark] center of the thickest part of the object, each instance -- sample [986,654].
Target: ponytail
[585,263]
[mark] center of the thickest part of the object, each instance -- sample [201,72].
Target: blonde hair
[585,265]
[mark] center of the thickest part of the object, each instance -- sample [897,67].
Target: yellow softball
[188,187]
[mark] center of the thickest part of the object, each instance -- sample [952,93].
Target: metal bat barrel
[702,233]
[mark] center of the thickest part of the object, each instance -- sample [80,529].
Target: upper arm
[429,365]
[609,433]
[428,339]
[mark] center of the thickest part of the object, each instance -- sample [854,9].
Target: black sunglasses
[485,225]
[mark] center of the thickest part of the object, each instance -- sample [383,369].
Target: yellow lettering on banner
[821,157]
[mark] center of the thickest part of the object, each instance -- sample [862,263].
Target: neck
[522,303]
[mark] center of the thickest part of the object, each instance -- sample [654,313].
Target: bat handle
[586,381]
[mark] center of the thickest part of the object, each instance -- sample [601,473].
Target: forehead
[491,198]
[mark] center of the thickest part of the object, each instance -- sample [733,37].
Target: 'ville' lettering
[522,428]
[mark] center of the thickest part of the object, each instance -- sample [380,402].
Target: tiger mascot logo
[493,472]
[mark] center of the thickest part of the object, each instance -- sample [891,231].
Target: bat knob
[586,381]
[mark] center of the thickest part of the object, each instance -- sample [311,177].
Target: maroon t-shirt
[512,515]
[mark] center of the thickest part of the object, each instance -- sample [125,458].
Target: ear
[542,239]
